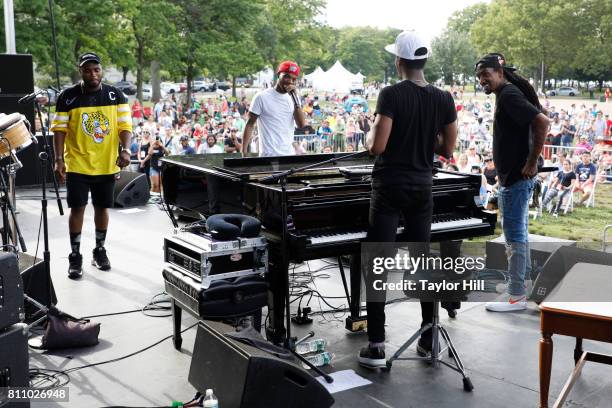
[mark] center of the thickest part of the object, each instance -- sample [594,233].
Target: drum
[14,134]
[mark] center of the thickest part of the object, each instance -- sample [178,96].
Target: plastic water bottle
[320,359]
[210,401]
[311,346]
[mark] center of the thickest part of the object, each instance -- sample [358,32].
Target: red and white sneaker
[512,304]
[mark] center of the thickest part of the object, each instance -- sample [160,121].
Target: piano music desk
[582,320]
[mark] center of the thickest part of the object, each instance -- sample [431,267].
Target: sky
[426,16]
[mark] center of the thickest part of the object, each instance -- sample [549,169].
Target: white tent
[358,81]
[265,76]
[314,77]
[336,79]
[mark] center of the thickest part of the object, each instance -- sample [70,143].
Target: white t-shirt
[205,149]
[275,122]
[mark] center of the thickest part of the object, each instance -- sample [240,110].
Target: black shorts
[79,185]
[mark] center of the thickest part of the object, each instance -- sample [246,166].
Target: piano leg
[177,340]
[343,276]
[278,276]
[355,322]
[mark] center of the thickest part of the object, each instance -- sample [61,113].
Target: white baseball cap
[407,43]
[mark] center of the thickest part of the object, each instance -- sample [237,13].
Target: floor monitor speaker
[243,376]
[131,190]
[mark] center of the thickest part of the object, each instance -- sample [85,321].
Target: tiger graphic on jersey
[96,125]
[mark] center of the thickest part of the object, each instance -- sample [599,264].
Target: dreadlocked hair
[524,86]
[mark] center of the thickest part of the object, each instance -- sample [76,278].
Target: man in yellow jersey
[92,120]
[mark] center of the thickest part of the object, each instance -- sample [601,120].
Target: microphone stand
[43,156]
[289,342]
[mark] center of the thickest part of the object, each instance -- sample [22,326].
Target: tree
[455,56]
[594,34]
[284,28]
[462,21]
[363,49]
[81,26]
[529,33]
[146,33]
[203,27]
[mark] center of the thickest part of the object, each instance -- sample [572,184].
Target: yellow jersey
[92,122]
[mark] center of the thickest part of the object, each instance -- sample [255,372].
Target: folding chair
[591,200]
[570,201]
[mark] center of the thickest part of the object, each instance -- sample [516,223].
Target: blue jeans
[514,203]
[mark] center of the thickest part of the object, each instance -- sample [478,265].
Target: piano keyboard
[441,223]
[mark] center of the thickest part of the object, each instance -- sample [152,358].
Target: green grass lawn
[583,224]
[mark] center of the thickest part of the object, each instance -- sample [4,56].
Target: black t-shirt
[511,133]
[158,153]
[566,178]
[419,114]
[490,175]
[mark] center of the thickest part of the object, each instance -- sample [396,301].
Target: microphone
[296,101]
[29,98]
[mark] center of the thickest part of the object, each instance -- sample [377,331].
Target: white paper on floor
[130,211]
[344,380]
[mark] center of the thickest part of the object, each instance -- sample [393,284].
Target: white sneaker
[503,287]
[510,305]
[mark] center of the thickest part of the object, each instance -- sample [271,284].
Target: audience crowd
[578,142]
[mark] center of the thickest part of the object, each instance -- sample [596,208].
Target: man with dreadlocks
[519,130]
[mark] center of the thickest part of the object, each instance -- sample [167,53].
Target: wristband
[128,151]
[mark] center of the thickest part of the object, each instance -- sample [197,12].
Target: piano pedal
[302,317]
[355,324]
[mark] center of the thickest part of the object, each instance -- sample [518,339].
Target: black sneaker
[75,265]
[100,260]
[372,357]
[424,345]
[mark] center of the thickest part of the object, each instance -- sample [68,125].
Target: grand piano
[327,209]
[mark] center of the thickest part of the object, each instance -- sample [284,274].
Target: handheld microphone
[296,101]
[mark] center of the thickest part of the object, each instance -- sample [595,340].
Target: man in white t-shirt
[276,111]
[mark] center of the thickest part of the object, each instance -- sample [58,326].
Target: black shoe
[372,357]
[100,260]
[75,265]
[424,345]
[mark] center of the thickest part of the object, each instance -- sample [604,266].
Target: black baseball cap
[493,60]
[88,57]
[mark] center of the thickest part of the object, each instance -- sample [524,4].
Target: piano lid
[253,167]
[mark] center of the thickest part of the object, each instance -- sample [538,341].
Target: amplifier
[11,291]
[14,363]
[243,376]
[206,259]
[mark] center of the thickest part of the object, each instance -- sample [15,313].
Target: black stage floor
[499,350]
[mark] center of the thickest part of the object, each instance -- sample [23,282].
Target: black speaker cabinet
[540,246]
[559,263]
[16,80]
[131,190]
[246,377]
[36,284]
[11,291]
[14,365]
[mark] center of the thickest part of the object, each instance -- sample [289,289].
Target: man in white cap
[413,121]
